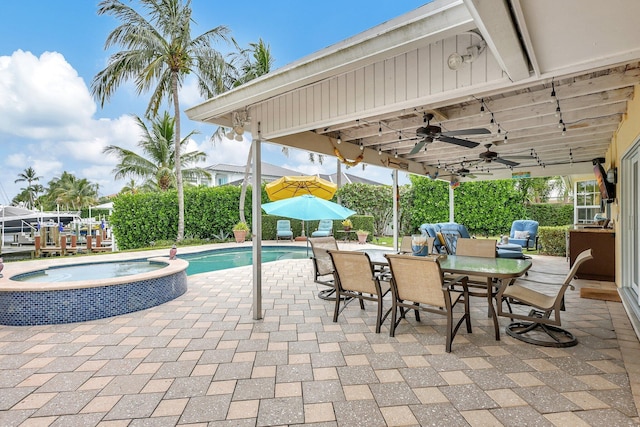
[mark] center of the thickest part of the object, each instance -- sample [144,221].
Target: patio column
[256,215]
[451,204]
[396,206]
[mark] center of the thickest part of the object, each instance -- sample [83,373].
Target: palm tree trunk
[176,107]
[243,192]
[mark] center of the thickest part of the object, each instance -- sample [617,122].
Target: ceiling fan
[491,156]
[429,133]
[466,173]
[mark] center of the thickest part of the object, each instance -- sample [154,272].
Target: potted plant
[240,231]
[347,224]
[362,236]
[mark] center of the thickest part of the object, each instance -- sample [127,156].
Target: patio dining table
[505,269]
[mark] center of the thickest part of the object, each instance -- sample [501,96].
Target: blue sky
[51,50]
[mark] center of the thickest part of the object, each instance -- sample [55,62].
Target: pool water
[220,259]
[94,271]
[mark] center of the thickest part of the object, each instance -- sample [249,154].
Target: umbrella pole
[307,237]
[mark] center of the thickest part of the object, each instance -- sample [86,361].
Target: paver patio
[201,360]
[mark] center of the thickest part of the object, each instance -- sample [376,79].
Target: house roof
[553,81]
[267,169]
[348,179]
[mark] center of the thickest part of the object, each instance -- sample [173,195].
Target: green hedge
[139,220]
[553,240]
[548,214]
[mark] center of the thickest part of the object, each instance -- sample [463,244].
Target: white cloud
[41,95]
[47,122]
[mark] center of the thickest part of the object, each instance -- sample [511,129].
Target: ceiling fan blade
[518,157]
[458,141]
[477,131]
[418,146]
[505,162]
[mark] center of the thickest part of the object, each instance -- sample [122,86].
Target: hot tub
[75,298]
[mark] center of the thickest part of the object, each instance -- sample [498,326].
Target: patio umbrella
[293,186]
[307,208]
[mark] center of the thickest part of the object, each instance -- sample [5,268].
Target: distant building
[224,174]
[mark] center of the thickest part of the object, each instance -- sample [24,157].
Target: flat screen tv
[607,189]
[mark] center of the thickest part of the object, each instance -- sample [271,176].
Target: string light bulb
[379,151]
[558,110]
[339,141]
[379,129]
[395,154]
[505,138]
[564,130]
[482,107]
[361,146]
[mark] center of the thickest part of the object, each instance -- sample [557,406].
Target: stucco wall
[627,134]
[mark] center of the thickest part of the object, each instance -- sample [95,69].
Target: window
[586,202]
[222,180]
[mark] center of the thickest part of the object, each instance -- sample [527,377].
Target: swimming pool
[220,259]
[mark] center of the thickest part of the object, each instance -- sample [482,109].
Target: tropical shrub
[553,240]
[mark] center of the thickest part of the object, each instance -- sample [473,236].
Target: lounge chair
[283,230]
[325,228]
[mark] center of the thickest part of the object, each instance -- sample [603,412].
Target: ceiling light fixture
[238,121]
[455,60]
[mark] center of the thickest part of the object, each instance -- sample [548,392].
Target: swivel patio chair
[356,279]
[283,230]
[322,264]
[417,283]
[325,228]
[538,326]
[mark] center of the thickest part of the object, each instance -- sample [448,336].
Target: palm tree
[31,191]
[246,65]
[157,165]
[69,191]
[131,187]
[159,51]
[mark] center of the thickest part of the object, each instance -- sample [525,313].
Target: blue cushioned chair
[450,228]
[283,230]
[524,232]
[325,228]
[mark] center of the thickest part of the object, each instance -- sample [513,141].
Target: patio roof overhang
[373,90]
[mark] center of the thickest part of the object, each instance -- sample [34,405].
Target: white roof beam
[494,21]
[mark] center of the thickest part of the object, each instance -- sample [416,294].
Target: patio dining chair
[322,264]
[485,248]
[417,283]
[538,326]
[356,279]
